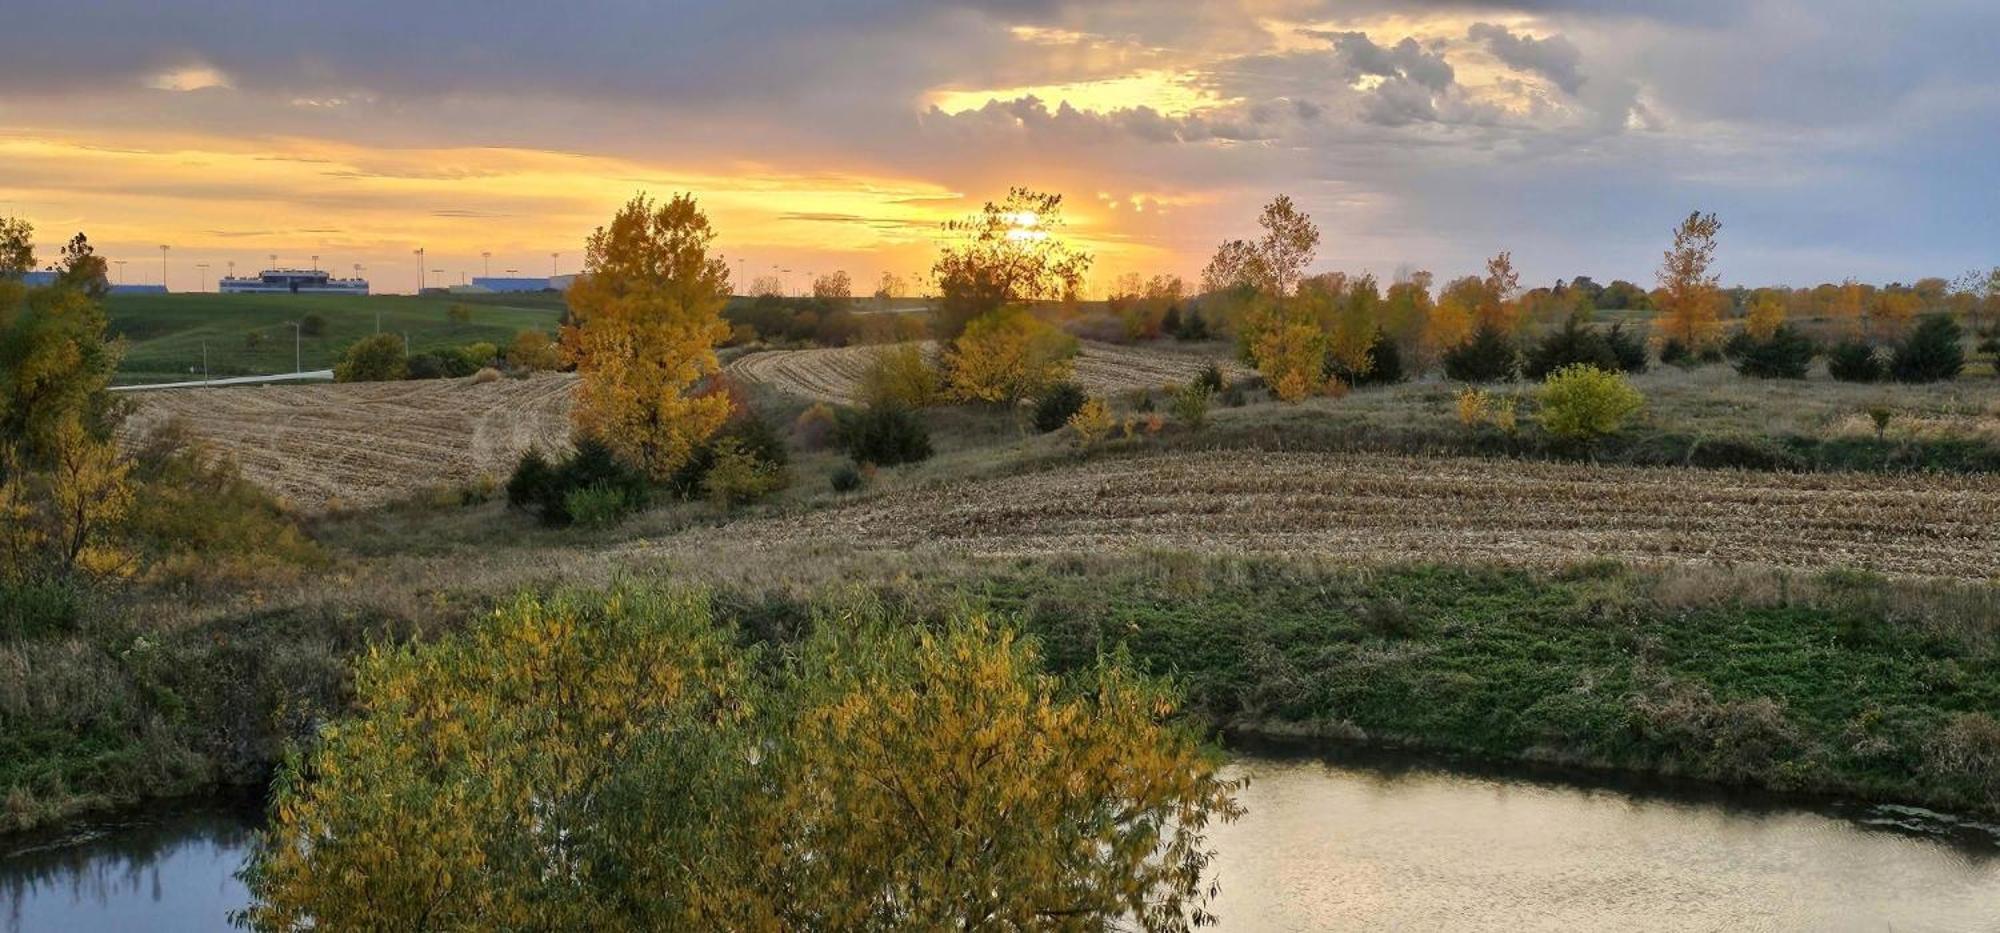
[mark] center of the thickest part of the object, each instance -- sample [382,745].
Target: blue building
[46,279]
[511,284]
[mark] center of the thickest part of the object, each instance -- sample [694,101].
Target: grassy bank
[1835,684]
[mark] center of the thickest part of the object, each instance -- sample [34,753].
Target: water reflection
[1377,845]
[1368,842]
[168,872]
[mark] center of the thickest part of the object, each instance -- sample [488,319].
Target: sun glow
[1171,93]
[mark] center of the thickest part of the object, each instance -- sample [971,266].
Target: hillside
[249,335]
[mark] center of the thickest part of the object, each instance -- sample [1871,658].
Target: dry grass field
[1375,509]
[357,445]
[834,374]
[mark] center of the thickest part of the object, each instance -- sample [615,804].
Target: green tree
[1582,402]
[378,358]
[82,269]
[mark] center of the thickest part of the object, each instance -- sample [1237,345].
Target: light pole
[419,252]
[298,358]
[315,262]
[120,263]
[232,268]
[202,275]
[552,266]
[163,265]
[487,268]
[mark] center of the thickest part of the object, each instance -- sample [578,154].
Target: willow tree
[644,320]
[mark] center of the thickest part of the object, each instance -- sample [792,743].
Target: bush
[1054,408]
[431,364]
[1490,356]
[814,428]
[1190,326]
[533,351]
[748,433]
[846,478]
[1574,344]
[599,505]
[312,325]
[1479,408]
[1385,364]
[1234,397]
[1932,352]
[1210,378]
[1584,402]
[35,606]
[477,356]
[1628,346]
[1853,360]
[1190,404]
[900,377]
[612,488]
[1675,353]
[1786,354]
[884,436]
[737,476]
[1092,422]
[372,359]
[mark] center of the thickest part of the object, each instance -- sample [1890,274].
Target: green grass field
[249,335]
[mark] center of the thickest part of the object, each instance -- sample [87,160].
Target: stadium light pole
[232,268]
[201,275]
[553,257]
[487,268]
[163,265]
[419,253]
[120,263]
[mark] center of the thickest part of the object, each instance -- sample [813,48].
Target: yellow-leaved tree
[1007,355]
[644,320]
[1690,303]
[1766,315]
[1282,335]
[617,762]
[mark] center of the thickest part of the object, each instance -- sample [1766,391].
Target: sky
[1834,138]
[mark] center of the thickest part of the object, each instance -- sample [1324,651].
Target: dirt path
[1376,508]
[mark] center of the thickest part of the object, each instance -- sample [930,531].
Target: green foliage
[459,313]
[1211,377]
[1056,404]
[1489,356]
[884,436]
[312,325]
[613,489]
[598,505]
[1853,360]
[1786,354]
[846,478]
[739,476]
[1573,344]
[1190,403]
[1628,346]
[196,519]
[616,762]
[1584,403]
[1933,352]
[54,366]
[373,359]
[749,436]
[39,605]
[900,377]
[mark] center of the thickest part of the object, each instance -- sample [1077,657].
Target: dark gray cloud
[1554,58]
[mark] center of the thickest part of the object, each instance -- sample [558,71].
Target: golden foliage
[1011,251]
[532,350]
[616,763]
[1478,407]
[1287,346]
[1766,315]
[1690,303]
[646,317]
[1007,355]
[1091,422]
[901,376]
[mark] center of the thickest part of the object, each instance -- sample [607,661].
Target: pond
[1355,841]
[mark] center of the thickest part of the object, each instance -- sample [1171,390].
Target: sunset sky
[1834,137]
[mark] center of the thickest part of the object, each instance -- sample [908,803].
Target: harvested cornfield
[364,444]
[1393,509]
[834,374]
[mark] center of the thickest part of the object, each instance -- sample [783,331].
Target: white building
[292,282]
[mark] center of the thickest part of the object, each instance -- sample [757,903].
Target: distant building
[292,282]
[46,279]
[492,283]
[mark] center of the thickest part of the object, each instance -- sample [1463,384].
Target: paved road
[317,375]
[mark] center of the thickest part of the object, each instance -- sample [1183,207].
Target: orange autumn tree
[1690,302]
[645,318]
[1766,315]
[1282,333]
